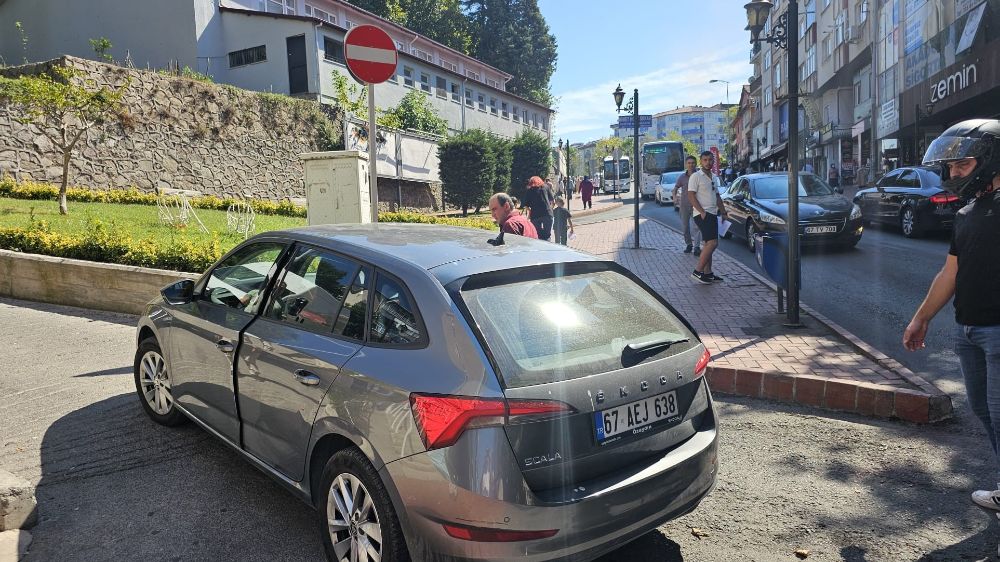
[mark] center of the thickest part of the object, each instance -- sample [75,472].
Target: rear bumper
[598,523]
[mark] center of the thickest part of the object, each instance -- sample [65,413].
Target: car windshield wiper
[649,346]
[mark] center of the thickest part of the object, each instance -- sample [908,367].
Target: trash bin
[772,257]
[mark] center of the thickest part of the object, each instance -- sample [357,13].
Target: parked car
[911,198]
[433,396]
[665,187]
[758,203]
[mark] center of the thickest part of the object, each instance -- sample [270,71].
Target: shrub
[468,169]
[530,156]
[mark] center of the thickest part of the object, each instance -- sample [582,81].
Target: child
[561,217]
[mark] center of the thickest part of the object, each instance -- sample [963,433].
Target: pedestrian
[969,156]
[692,239]
[561,217]
[551,192]
[587,192]
[833,176]
[538,201]
[508,218]
[707,203]
[807,167]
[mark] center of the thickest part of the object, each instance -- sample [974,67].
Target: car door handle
[225,346]
[307,378]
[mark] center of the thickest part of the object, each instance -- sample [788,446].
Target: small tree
[468,169]
[62,109]
[690,148]
[101,46]
[530,156]
[414,114]
[502,153]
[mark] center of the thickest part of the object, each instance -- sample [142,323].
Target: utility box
[337,187]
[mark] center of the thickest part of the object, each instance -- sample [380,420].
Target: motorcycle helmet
[974,138]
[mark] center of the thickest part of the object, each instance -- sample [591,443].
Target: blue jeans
[978,349]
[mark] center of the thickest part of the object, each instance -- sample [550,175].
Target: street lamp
[781,36]
[633,106]
[714,80]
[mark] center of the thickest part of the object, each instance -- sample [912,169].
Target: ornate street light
[757,13]
[633,106]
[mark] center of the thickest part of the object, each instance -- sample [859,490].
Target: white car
[664,194]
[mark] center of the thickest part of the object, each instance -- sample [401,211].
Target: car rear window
[563,327]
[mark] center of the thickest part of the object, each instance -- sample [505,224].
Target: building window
[421,54]
[425,82]
[333,50]
[492,83]
[767,97]
[468,98]
[473,75]
[320,14]
[516,114]
[767,60]
[244,57]
[455,94]
[407,76]
[449,65]
[545,123]
[827,47]
[482,103]
[777,76]
[534,119]
[441,87]
[493,106]
[278,6]
[503,110]
[349,24]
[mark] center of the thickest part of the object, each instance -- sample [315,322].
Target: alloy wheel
[908,222]
[751,234]
[155,383]
[353,521]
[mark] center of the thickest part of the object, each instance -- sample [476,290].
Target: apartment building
[292,47]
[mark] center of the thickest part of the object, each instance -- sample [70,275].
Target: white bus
[617,179]
[659,157]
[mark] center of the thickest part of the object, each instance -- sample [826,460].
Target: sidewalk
[753,354]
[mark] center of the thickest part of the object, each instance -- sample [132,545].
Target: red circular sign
[370,53]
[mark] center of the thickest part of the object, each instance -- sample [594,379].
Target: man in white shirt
[707,203]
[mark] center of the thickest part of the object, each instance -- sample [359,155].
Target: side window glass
[888,179]
[238,282]
[909,179]
[312,290]
[351,320]
[394,319]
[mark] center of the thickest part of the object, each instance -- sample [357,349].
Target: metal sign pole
[372,153]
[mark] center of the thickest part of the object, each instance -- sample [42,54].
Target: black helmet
[975,138]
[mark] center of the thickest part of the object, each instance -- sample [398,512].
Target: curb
[18,508]
[928,405]
[14,545]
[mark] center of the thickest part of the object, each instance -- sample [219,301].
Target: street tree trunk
[63,209]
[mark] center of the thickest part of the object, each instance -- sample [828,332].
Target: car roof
[761,175]
[428,246]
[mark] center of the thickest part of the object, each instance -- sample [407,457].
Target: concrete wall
[152,31]
[102,286]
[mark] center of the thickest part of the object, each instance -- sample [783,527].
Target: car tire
[153,384]
[909,224]
[352,475]
[750,232]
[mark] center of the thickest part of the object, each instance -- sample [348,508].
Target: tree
[530,156]
[63,109]
[414,114]
[503,154]
[513,36]
[101,46]
[440,20]
[468,169]
[690,148]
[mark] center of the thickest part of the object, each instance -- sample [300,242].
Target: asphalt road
[114,486]
[872,290]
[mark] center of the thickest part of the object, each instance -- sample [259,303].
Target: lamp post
[633,106]
[918,114]
[784,35]
[714,80]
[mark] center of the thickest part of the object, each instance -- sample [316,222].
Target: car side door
[205,334]
[905,186]
[313,323]
[737,209]
[872,208]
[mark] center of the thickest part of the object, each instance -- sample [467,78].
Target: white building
[291,47]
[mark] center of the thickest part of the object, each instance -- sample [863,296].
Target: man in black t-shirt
[970,155]
[538,201]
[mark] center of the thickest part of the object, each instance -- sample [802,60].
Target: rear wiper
[655,345]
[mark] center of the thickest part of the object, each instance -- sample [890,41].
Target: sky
[668,49]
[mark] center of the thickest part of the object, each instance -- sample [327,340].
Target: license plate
[820,229]
[635,417]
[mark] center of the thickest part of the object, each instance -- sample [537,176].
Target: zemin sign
[954,83]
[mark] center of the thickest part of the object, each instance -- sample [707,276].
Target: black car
[759,203]
[912,198]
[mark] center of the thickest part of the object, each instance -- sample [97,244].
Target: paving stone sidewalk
[753,353]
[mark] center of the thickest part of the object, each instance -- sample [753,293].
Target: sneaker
[705,280]
[713,277]
[697,251]
[989,499]
[688,249]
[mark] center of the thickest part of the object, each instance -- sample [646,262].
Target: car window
[776,187]
[739,187]
[888,179]
[351,320]
[312,291]
[932,178]
[239,281]
[394,317]
[908,179]
[562,327]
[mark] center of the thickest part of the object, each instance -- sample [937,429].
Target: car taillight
[942,198]
[702,364]
[482,534]
[442,419]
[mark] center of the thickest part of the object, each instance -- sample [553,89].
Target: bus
[659,157]
[617,179]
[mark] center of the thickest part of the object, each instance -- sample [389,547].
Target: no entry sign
[370,53]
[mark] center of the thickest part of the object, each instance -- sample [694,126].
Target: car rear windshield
[776,187]
[563,327]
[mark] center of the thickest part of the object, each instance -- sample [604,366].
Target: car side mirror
[181,292]
[839,190]
[739,198]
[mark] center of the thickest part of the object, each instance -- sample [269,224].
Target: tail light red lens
[942,198]
[442,419]
[702,364]
[481,534]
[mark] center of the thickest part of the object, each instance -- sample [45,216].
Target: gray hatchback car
[436,397]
